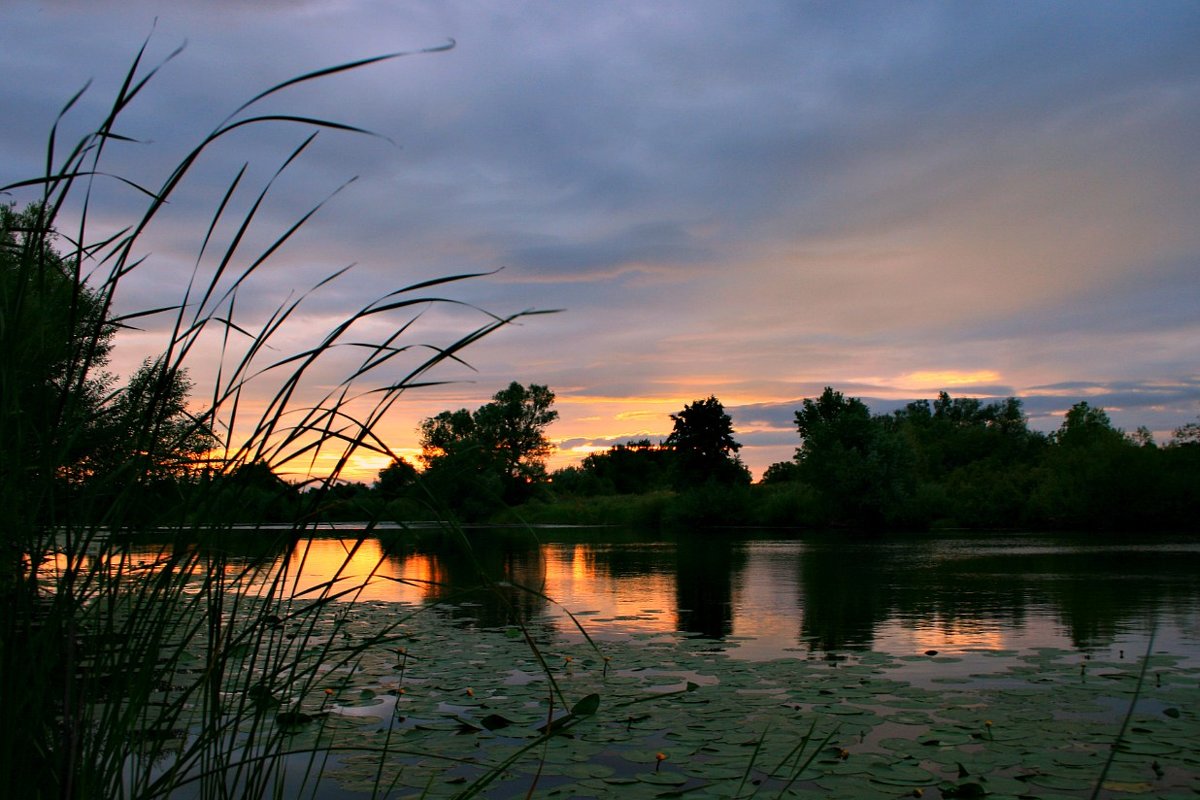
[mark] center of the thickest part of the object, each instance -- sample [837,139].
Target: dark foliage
[69,433]
[949,462]
[55,342]
[963,462]
[477,462]
[631,468]
[860,464]
[395,479]
[704,447]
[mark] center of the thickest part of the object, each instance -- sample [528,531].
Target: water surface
[1019,653]
[761,596]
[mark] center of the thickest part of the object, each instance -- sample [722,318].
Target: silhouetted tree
[514,426]
[971,461]
[395,479]
[781,472]
[62,421]
[1086,426]
[447,435]
[55,344]
[1179,476]
[833,421]
[704,447]
[964,430]
[1188,434]
[475,460]
[861,465]
[252,492]
[631,468]
[147,426]
[1093,474]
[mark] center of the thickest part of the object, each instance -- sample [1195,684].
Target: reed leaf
[143,678]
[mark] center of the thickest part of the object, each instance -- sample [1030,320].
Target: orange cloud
[930,380]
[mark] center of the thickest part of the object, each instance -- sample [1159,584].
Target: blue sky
[752,200]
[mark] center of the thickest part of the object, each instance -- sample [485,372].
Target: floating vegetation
[476,712]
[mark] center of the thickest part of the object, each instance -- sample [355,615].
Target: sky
[746,200]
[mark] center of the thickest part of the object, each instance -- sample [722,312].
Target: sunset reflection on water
[573,575]
[761,598]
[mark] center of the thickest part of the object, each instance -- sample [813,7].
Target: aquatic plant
[132,678]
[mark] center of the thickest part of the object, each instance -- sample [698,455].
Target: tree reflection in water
[826,593]
[851,587]
[489,581]
[705,570]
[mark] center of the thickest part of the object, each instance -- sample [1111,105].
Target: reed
[132,678]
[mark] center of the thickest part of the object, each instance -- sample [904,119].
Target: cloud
[748,200]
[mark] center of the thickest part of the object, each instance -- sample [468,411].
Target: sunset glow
[990,200]
[937,380]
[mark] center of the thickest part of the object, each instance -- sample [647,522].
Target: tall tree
[55,344]
[395,478]
[972,461]
[832,420]
[62,421]
[1085,425]
[1186,435]
[450,434]
[514,426]
[1092,474]
[859,464]
[499,449]
[705,450]
[957,432]
[147,426]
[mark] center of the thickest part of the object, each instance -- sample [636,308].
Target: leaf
[556,724]
[466,726]
[1141,787]
[495,722]
[242,649]
[587,706]
[262,697]
[292,718]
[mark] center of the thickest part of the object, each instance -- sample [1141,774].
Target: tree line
[947,462]
[969,463]
[72,433]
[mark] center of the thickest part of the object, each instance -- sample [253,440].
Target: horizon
[744,202]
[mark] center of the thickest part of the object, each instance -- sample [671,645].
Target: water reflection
[486,581]
[621,586]
[774,596]
[994,592]
[705,571]
[846,594]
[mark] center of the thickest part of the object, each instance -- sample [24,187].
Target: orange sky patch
[938,380]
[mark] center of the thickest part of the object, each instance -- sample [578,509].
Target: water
[762,596]
[889,641]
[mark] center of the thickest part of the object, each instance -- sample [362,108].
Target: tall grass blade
[139,676]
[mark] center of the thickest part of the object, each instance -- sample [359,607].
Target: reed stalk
[128,678]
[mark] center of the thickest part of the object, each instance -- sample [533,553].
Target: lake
[761,596]
[826,665]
